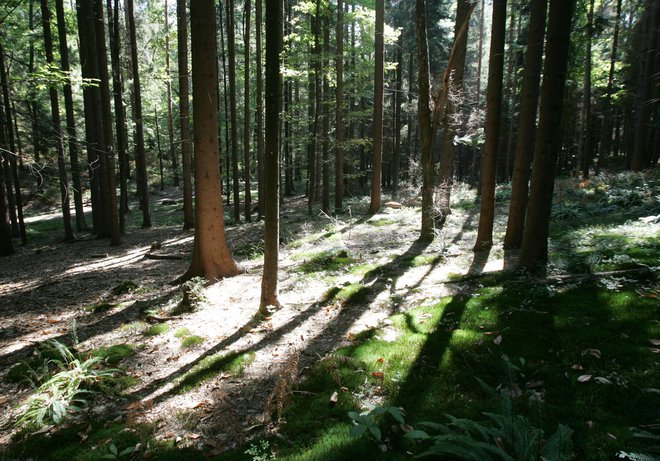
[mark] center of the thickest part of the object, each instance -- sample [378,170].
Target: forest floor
[210,378]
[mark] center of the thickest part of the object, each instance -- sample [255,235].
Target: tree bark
[526,125]
[55,114]
[534,249]
[246,112]
[269,291]
[70,119]
[170,121]
[377,168]
[184,113]
[140,154]
[325,202]
[6,243]
[211,257]
[231,57]
[258,23]
[339,110]
[587,122]
[493,121]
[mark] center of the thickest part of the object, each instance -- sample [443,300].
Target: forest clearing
[329,230]
[369,317]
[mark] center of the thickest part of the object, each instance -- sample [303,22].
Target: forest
[329,230]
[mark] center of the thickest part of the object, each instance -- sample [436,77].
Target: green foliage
[325,261]
[505,435]
[114,354]
[260,451]
[191,341]
[124,287]
[112,452]
[368,421]
[62,394]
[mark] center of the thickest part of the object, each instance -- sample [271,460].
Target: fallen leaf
[497,341]
[52,321]
[577,366]
[344,389]
[591,352]
[203,403]
[380,360]
[378,375]
[193,436]
[655,342]
[654,350]
[611,436]
[584,378]
[334,397]
[601,380]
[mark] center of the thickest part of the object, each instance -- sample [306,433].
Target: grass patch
[191,341]
[182,333]
[438,350]
[124,287]
[158,329]
[325,261]
[381,222]
[98,308]
[426,260]
[114,354]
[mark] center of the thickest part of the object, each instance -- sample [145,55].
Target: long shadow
[86,330]
[372,283]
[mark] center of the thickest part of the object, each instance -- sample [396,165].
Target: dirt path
[47,287]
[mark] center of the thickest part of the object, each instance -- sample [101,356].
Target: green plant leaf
[375,431]
[416,434]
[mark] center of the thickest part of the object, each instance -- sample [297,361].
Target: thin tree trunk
[396,154]
[70,119]
[339,110]
[326,115]
[526,125]
[120,112]
[6,243]
[493,121]
[226,106]
[140,154]
[231,46]
[587,123]
[269,291]
[170,121]
[260,107]
[57,132]
[377,172]
[184,113]
[312,113]
[534,249]
[246,113]
[160,151]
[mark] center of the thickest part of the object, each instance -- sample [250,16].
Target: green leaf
[112,449]
[397,414]
[375,431]
[357,430]
[416,434]
[127,451]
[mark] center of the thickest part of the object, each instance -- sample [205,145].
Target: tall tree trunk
[184,113]
[398,95]
[446,173]
[587,122]
[641,150]
[313,114]
[269,290]
[425,125]
[170,121]
[160,151]
[377,172]
[120,112]
[246,113]
[55,114]
[13,156]
[480,49]
[608,110]
[258,21]
[6,243]
[339,110]
[140,154]
[70,119]
[231,52]
[493,121]
[326,115]
[534,248]
[211,257]
[527,124]
[225,93]
[107,147]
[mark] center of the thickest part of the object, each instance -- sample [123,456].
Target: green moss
[182,333]
[233,363]
[158,329]
[98,308]
[114,354]
[382,222]
[191,341]
[325,261]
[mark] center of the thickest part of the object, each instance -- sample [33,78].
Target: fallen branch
[165,256]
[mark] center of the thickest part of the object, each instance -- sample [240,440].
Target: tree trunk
[246,112]
[269,290]
[12,155]
[325,202]
[140,154]
[446,173]
[170,121]
[120,112]
[184,114]
[493,120]
[57,133]
[608,110]
[313,114]
[339,110]
[211,256]
[231,52]
[225,93]
[587,123]
[107,154]
[398,94]
[160,151]
[6,243]
[534,248]
[526,125]
[70,119]
[258,21]
[425,126]
[377,172]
